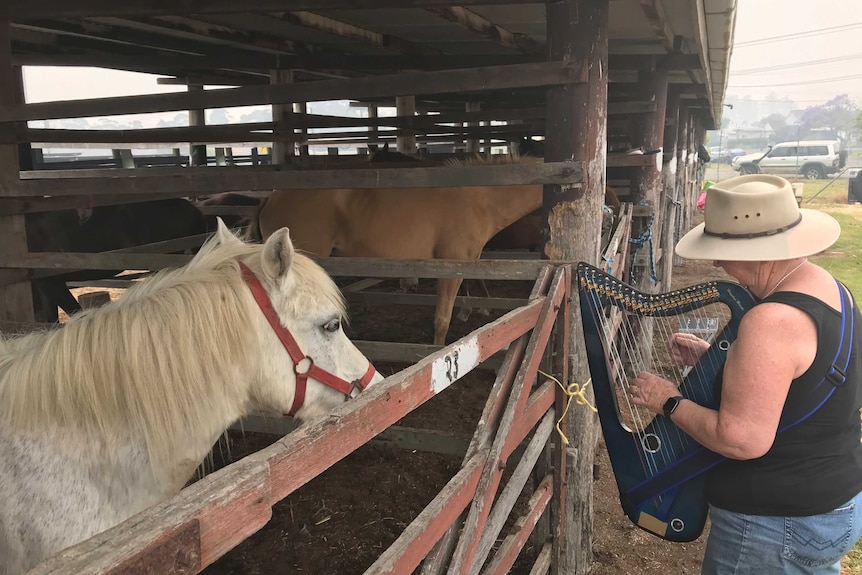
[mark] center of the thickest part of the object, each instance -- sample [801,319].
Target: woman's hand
[686,348]
[651,391]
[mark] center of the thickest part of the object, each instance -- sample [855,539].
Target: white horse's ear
[223,233]
[277,254]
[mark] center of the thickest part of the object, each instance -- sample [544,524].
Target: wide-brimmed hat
[756,218]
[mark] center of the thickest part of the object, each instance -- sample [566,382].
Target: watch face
[670,405]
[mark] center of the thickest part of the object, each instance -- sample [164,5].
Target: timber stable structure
[617,92]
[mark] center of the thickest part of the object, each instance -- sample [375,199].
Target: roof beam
[232,60]
[200,34]
[479,24]
[654,11]
[113,37]
[349,31]
[15,10]
[682,62]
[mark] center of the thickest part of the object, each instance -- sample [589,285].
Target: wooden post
[699,135]
[405,141]
[673,200]
[684,177]
[197,152]
[472,142]
[16,300]
[649,133]
[283,145]
[373,131]
[302,108]
[576,128]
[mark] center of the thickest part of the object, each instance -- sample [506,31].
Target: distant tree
[779,126]
[178,119]
[217,116]
[839,114]
[257,115]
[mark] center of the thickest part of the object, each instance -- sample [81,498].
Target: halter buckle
[307,361]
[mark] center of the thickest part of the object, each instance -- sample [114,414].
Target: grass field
[843,259]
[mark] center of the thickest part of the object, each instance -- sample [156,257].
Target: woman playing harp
[787,498]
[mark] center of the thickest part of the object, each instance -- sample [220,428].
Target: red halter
[289,343]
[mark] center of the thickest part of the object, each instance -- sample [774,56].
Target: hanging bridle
[309,369]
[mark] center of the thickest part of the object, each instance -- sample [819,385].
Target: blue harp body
[658,468]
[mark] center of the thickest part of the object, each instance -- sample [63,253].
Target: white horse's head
[302,337]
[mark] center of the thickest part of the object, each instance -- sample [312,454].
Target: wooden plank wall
[16,299]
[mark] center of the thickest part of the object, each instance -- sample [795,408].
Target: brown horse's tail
[612,200]
[252,224]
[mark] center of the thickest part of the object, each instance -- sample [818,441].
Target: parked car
[720,155]
[813,159]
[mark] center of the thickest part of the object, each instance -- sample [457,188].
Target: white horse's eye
[332,325]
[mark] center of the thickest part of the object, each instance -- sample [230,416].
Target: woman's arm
[776,343]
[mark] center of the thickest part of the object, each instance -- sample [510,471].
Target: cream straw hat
[756,218]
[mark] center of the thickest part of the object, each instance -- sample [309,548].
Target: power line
[739,102]
[796,65]
[801,82]
[785,37]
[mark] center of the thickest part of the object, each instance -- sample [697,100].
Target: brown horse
[232,221]
[526,233]
[416,223]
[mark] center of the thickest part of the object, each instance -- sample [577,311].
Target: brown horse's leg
[482,288]
[464,312]
[485,293]
[447,289]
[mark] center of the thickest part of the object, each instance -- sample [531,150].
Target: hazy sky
[809,50]
[804,49]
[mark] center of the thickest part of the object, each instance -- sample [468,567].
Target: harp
[658,467]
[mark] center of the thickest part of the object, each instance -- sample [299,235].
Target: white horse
[113,412]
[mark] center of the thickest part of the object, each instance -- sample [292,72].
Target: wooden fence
[213,515]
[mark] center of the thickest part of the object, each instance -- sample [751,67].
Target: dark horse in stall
[233,221]
[100,229]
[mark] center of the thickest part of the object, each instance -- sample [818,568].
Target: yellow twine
[573,391]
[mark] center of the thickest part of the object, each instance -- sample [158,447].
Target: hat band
[727,236]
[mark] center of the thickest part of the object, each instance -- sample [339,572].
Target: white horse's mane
[496,159]
[166,358]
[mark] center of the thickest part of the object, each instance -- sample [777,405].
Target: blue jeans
[741,544]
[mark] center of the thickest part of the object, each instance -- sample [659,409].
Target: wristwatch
[671,404]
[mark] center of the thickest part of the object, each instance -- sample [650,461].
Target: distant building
[750,139]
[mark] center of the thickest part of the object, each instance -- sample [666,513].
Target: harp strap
[702,459]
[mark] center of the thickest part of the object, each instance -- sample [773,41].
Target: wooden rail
[405,84]
[211,180]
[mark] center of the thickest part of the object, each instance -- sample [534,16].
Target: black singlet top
[816,466]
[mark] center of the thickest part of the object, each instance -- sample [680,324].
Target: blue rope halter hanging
[638,242]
